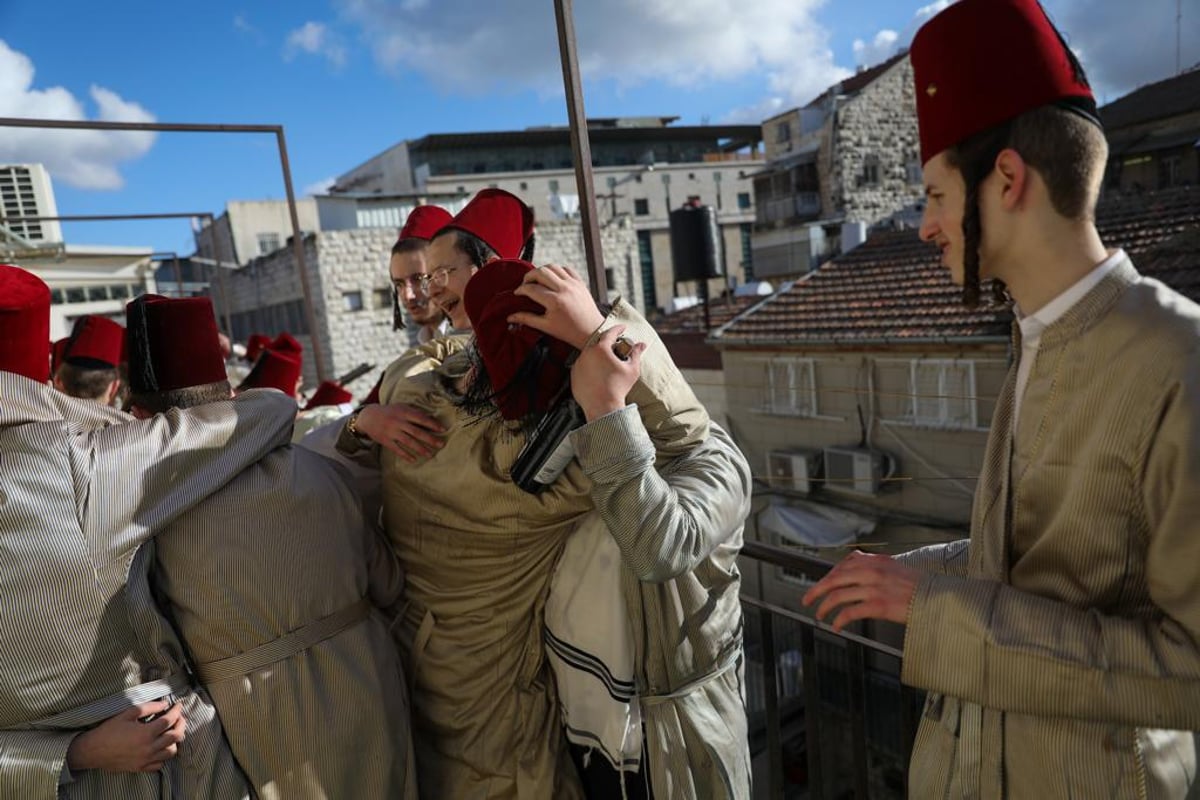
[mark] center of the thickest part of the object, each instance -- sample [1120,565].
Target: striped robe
[282,546]
[1061,644]
[82,490]
[679,530]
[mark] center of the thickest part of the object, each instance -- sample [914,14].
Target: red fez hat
[173,344]
[499,218]
[520,384]
[57,350]
[24,323]
[274,370]
[328,393]
[256,344]
[980,63]
[286,343]
[373,395]
[95,343]
[424,222]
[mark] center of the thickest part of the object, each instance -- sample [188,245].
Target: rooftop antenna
[1178,27]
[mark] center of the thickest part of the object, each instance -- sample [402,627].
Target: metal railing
[827,710]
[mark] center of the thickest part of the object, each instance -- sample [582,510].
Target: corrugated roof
[1166,98]
[892,287]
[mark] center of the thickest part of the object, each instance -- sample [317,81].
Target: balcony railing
[827,711]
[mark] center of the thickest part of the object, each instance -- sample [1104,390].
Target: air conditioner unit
[793,470]
[853,469]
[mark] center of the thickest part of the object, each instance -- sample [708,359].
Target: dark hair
[187,397]
[88,383]
[478,251]
[1066,149]
[410,245]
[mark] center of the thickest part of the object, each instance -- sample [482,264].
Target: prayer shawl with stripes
[82,490]
[272,582]
[1061,645]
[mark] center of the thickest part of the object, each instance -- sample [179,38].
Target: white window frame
[266,238]
[780,375]
[937,410]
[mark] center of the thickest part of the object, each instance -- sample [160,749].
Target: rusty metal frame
[281,143]
[581,149]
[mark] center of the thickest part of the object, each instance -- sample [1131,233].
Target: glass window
[744,200]
[646,262]
[97,293]
[76,294]
[267,243]
[641,206]
[56,297]
[352,301]
[119,291]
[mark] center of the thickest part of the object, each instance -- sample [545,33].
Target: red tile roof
[893,289]
[691,319]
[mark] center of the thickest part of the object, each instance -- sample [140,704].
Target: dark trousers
[601,781]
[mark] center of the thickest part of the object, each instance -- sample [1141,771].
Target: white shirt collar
[1033,324]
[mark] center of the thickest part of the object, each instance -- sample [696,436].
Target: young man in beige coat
[1060,644]
[273,583]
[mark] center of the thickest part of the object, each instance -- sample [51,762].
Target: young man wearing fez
[274,584]
[95,701]
[1060,644]
[495,224]
[91,360]
[407,267]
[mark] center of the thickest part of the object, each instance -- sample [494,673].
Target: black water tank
[696,243]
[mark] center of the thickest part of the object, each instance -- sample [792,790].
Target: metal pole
[580,149]
[298,252]
[212,226]
[18,122]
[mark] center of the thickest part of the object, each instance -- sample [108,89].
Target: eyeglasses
[440,278]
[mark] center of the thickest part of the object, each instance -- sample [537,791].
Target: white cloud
[881,48]
[1125,45]
[886,43]
[82,158]
[319,187]
[471,47]
[316,39]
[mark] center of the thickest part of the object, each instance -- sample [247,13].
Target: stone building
[1154,135]
[643,167]
[844,162]
[352,294]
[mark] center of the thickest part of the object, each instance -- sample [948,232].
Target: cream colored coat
[1061,645]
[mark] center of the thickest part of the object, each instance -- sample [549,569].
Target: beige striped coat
[82,490]
[1062,643]
[280,548]
[679,529]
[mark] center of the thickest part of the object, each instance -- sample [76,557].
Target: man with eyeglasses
[408,268]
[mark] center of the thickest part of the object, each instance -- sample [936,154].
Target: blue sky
[349,78]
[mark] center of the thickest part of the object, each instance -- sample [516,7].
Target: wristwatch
[352,427]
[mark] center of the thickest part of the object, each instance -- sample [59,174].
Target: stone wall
[348,276]
[878,124]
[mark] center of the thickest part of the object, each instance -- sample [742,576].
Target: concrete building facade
[642,168]
[352,293]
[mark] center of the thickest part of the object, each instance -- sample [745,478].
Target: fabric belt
[730,660]
[97,711]
[285,646]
